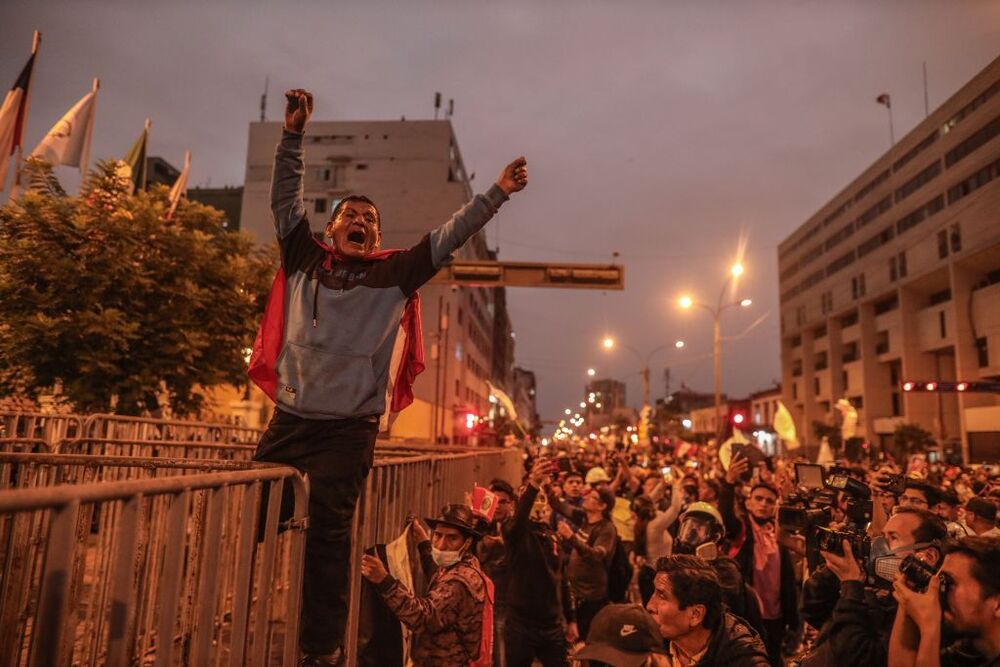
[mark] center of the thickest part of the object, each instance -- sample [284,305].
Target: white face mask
[445,558]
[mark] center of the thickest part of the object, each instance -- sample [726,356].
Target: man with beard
[766,565]
[324,355]
[967,608]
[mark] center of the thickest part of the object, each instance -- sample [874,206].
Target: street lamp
[686,302]
[591,372]
[644,361]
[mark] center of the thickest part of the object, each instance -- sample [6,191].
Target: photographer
[855,620]
[766,565]
[968,606]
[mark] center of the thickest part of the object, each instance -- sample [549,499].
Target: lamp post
[686,302]
[610,343]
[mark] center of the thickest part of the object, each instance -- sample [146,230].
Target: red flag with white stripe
[14,113]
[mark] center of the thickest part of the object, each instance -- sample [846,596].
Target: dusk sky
[662,130]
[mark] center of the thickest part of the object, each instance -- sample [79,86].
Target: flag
[135,160]
[14,113]
[884,100]
[68,142]
[784,426]
[179,188]
[849,419]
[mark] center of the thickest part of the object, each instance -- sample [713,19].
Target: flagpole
[36,40]
[892,134]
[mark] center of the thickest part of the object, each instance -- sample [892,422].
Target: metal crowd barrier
[170,449]
[163,571]
[48,427]
[148,428]
[421,485]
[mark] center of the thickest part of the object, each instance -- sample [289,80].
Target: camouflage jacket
[447,622]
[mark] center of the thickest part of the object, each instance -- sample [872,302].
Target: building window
[983,350]
[458,388]
[795,391]
[882,342]
[820,363]
[941,324]
[851,319]
[858,401]
[858,286]
[320,205]
[896,411]
[826,302]
[897,267]
[956,238]
[816,386]
[843,380]
[942,240]
[800,315]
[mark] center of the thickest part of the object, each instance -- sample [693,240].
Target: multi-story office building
[414,173]
[898,278]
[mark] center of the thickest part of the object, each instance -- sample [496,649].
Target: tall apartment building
[414,173]
[898,278]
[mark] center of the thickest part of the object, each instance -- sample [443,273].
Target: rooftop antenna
[437,104]
[451,108]
[263,100]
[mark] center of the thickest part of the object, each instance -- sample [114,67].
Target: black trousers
[337,455]
[586,610]
[525,641]
[773,638]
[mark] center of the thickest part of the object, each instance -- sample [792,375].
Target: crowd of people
[636,556]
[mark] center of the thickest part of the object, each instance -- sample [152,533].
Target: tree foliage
[911,439]
[99,294]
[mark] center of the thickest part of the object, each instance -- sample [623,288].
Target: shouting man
[324,354]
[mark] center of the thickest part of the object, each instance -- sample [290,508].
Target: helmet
[596,476]
[704,508]
[701,524]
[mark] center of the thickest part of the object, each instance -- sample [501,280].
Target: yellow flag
[784,426]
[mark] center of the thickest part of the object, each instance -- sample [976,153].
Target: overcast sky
[662,130]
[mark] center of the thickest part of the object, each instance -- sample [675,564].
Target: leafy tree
[910,439]
[103,297]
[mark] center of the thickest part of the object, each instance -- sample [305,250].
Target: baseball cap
[622,635]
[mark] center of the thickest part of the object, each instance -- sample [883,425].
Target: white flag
[68,142]
[179,188]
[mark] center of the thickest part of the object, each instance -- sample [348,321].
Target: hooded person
[338,350]
[452,624]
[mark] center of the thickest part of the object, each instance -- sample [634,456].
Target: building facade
[414,173]
[898,278]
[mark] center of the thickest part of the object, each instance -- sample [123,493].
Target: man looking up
[343,305]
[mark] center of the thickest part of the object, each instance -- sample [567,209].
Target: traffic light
[738,418]
[978,386]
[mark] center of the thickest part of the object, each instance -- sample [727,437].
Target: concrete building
[414,173]
[897,278]
[763,406]
[160,172]
[525,399]
[227,199]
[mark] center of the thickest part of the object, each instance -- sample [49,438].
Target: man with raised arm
[338,349]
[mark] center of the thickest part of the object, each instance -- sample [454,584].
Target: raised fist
[298,109]
[514,176]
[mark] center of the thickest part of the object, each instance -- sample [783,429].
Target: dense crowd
[635,556]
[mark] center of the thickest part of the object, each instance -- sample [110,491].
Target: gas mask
[884,562]
[696,537]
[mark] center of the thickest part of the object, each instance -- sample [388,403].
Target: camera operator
[962,600]
[855,620]
[765,563]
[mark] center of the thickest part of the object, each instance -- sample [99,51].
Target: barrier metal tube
[87,568]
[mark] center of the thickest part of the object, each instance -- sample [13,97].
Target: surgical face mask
[445,558]
[884,562]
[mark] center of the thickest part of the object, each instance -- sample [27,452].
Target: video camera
[809,512]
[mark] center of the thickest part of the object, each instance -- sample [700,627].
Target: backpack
[619,573]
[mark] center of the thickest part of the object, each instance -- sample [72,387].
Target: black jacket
[539,594]
[736,526]
[734,644]
[854,621]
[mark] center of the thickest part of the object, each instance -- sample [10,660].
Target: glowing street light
[608,342]
[591,372]
[679,344]
[746,302]
[736,269]
[582,404]
[685,302]
[568,411]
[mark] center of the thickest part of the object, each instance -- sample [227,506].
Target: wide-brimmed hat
[622,635]
[459,517]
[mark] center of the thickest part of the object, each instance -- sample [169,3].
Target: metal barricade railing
[164,571]
[46,426]
[177,449]
[421,485]
[148,428]
[37,445]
